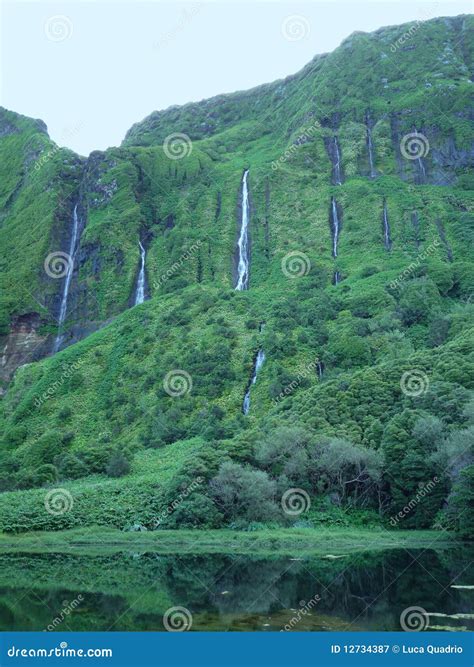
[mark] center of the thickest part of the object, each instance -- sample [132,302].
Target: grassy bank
[295,542]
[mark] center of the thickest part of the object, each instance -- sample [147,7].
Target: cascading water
[337,163]
[140,291]
[335,226]
[68,278]
[336,279]
[386,227]
[370,146]
[259,359]
[243,242]
[320,369]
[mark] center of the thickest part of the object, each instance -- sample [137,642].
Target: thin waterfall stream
[243,242]
[337,163]
[140,290]
[386,227]
[259,359]
[335,226]
[68,278]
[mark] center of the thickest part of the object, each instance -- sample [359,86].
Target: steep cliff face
[358,231]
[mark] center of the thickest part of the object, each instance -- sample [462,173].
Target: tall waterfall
[337,163]
[335,226]
[386,227]
[140,291]
[370,146]
[68,278]
[243,242]
[259,359]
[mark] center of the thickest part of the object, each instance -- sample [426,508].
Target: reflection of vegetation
[132,591]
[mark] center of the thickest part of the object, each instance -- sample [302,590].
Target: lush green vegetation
[98,420]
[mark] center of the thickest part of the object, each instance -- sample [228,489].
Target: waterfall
[370,146]
[386,227]
[68,278]
[140,291]
[320,369]
[259,359]
[335,226]
[337,163]
[336,279]
[243,242]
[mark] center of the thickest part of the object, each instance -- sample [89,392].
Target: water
[320,369]
[337,163]
[370,146]
[140,291]
[68,278]
[335,226]
[243,242]
[259,359]
[130,591]
[386,228]
[336,279]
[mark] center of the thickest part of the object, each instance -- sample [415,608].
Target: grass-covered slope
[353,439]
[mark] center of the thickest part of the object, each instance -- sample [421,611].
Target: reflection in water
[132,591]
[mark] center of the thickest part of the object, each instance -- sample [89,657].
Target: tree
[244,493]
[118,465]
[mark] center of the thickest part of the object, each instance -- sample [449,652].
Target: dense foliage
[381,430]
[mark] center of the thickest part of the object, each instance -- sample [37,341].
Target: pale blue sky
[98,67]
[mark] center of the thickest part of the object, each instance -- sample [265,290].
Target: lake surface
[132,591]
